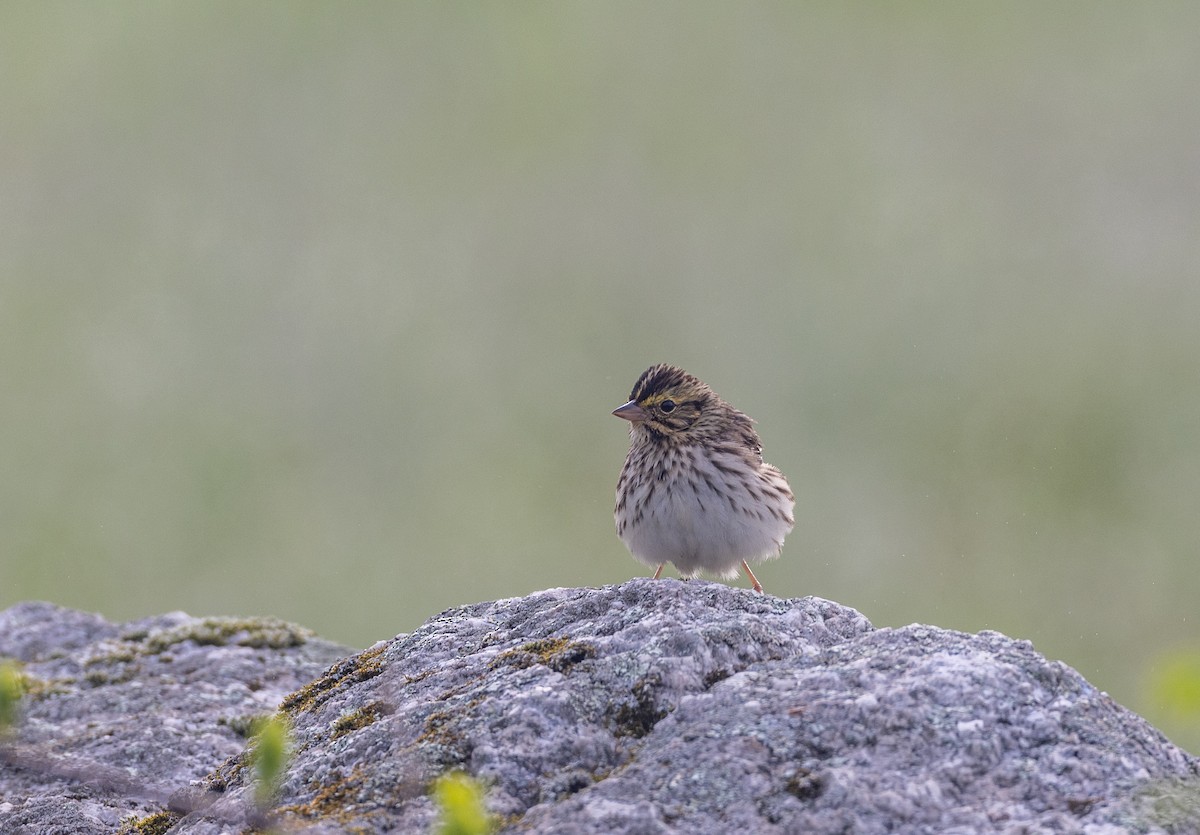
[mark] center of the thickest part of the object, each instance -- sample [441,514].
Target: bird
[694,490]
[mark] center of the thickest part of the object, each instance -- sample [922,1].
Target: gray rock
[649,707]
[118,718]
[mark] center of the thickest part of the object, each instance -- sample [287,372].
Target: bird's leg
[658,570]
[753,580]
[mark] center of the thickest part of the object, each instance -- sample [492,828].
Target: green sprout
[1175,685]
[459,799]
[269,757]
[12,687]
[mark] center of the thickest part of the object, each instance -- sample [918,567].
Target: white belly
[703,532]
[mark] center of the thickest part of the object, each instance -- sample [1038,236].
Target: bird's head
[668,402]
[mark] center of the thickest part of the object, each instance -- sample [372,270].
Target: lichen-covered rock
[116,718]
[671,707]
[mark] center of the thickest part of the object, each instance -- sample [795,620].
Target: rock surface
[118,718]
[648,707]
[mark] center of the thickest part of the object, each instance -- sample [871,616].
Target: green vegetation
[360,667]
[156,824]
[269,756]
[246,632]
[246,725]
[1173,687]
[357,719]
[559,654]
[12,688]
[460,803]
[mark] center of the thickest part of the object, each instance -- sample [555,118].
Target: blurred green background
[319,310]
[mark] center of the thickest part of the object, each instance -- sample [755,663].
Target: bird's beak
[631,411]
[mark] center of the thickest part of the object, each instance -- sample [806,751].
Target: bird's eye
[667,406]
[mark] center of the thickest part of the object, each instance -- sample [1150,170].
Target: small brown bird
[694,490]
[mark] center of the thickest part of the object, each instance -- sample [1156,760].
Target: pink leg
[658,570]
[753,580]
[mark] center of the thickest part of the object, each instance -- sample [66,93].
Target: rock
[648,707]
[118,718]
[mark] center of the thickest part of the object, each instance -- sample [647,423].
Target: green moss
[227,775]
[30,686]
[805,785]
[12,690]
[436,730]
[120,663]
[714,676]
[244,726]
[99,678]
[337,802]
[636,719]
[361,718]
[120,656]
[559,654]
[361,667]
[156,824]
[447,746]
[270,633]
